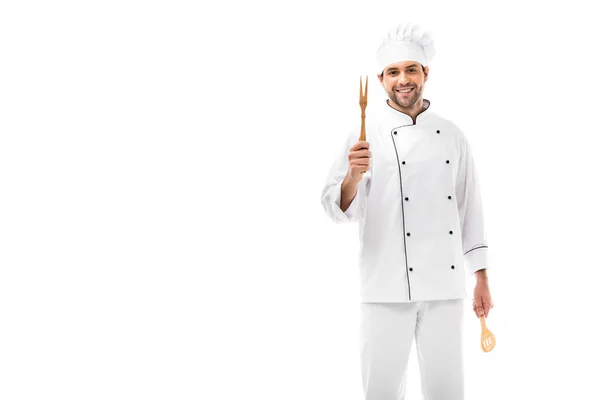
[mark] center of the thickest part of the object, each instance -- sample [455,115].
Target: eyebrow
[396,68]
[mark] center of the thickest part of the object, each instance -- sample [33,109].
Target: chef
[413,188]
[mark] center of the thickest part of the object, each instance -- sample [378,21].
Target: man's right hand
[359,159]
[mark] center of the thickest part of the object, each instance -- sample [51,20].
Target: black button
[403,162]
[447,161]
[438,131]
[449,197]
[452,267]
[408,234]
[451,232]
[406,198]
[395,132]
[410,269]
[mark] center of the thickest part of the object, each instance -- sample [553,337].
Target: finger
[488,306]
[359,163]
[360,154]
[479,304]
[361,144]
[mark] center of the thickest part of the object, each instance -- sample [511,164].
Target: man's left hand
[482,299]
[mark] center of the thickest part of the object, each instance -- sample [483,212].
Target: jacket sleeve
[332,191]
[470,210]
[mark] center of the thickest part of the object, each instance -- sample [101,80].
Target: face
[404,82]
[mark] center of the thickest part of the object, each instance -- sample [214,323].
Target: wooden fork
[488,340]
[363,104]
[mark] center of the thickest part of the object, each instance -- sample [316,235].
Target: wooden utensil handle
[363,133]
[482,320]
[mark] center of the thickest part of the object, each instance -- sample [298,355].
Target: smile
[404,90]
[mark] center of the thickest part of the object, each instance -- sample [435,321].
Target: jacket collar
[401,118]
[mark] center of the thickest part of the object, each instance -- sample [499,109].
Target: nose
[402,78]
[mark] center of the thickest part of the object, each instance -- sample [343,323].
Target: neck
[412,111]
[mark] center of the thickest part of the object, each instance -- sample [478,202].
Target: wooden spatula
[488,341]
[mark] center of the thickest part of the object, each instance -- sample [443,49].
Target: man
[413,188]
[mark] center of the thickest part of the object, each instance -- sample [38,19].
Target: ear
[380,77]
[426,72]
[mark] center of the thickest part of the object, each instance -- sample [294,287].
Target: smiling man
[413,188]
[403,82]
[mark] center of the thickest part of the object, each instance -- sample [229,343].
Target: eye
[412,70]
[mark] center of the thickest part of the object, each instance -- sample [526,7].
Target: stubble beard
[406,102]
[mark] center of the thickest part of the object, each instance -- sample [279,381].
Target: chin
[406,104]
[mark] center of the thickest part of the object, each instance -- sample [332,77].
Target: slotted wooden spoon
[488,340]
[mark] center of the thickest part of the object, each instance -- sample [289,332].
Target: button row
[449,198]
[396,132]
[408,233]
[447,162]
[410,269]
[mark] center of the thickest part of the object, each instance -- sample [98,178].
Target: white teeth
[405,90]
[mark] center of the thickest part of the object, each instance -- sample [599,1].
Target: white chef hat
[406,42]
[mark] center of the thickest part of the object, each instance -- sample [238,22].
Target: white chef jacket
[418,207]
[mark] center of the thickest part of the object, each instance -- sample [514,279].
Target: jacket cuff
[352,211]
[476,259]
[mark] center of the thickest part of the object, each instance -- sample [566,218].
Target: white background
[161,166]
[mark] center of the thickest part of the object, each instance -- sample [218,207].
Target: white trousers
[386,334]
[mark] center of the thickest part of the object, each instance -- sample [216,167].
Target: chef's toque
[407,42]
